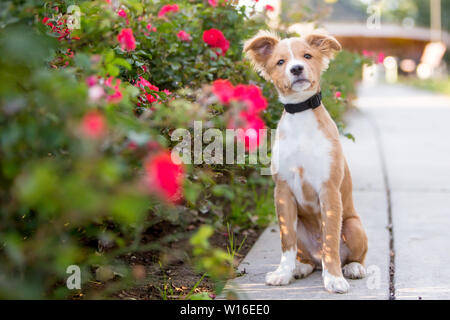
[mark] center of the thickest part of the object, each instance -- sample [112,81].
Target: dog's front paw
[279,277]
[354,270]
[335,284]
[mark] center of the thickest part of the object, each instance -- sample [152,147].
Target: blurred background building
[412,34]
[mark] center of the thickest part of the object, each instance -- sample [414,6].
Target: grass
[232,247]
[435,85]
[166,292]
[199,296]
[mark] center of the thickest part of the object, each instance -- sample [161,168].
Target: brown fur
[286,208]
[264,51]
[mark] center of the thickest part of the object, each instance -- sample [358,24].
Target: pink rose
[93,125]
[183,36]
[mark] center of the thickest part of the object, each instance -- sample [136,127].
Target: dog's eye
[307,56]
[280,62]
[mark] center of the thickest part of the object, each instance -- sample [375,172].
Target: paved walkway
[400,165]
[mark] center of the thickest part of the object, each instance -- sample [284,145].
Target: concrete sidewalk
[400,165]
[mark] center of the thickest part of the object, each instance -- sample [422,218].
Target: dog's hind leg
[304,264]
[354,237]
[307,246]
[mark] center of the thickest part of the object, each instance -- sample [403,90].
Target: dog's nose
[297,70]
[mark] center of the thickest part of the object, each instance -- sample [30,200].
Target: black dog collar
[311,103]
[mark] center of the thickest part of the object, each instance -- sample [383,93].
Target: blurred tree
[423,18]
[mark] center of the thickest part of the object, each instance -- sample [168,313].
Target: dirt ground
[175,277]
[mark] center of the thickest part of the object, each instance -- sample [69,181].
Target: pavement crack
[390,225]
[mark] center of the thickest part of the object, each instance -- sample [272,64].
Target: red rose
[142,84]
[252,136]
[224,90]
[380,57]
[126,40]
[93,125]
[252,95]
[249,119]
[183,36]
[215,39]
[168,8]
[250,125]
[91,81]
[122,13]
[150,28]
[117,96]
[224,46]
[165,177]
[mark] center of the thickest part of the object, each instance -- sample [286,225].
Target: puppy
[319,226]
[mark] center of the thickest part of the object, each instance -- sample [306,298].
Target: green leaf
[222,190]
[200,238]
[112,70]
[121,62]
[109,56]
[200,296]
[128,208]
[192,191]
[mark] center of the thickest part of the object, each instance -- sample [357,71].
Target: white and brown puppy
[319,226]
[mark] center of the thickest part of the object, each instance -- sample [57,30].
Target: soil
[176,277]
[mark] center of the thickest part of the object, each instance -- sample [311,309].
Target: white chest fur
[301,144]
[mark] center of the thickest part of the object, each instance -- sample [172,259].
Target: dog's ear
[259,49]
[326,44]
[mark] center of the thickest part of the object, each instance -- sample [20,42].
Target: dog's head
[294,65]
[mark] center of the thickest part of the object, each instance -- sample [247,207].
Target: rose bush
[85,121]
